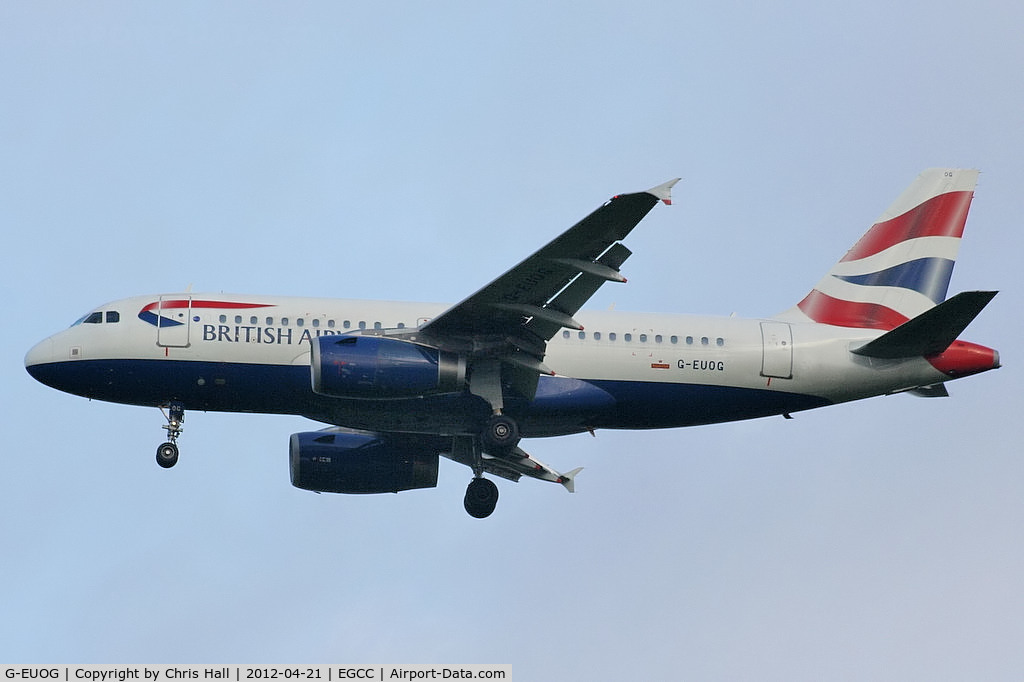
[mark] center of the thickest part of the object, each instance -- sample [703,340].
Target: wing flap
[519,463]
[570,299]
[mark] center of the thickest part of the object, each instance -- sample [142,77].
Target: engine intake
[358,463]
[374,367]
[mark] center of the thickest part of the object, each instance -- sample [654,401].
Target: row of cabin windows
[644,338]
[112,316]
[301,322]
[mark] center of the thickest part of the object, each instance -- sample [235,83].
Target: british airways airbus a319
[405,383]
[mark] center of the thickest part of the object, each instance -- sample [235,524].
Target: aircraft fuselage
[622,371]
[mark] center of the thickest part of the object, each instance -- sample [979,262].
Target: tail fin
[901,267]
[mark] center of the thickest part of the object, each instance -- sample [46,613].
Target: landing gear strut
[481,494]
[167,453]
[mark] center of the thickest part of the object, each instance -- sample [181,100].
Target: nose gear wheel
[167,453]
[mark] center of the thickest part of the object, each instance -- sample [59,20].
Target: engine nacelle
[358,463]
[375,367]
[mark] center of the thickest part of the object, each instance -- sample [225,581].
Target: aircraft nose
[39,354]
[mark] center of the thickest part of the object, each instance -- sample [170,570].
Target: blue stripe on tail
[929,276]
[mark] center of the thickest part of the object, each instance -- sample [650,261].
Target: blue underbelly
[561,404]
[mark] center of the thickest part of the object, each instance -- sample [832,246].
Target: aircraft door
[776,350]
[173,322]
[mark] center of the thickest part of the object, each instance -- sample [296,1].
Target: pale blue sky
[405,151]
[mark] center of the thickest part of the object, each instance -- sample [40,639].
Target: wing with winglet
[514,316]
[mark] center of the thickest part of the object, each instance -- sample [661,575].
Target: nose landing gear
[167,453]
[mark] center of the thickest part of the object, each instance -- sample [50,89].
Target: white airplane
[405,383]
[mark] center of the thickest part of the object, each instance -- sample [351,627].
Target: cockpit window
[97,317]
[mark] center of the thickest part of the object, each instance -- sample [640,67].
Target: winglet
[664,191]
[566,479]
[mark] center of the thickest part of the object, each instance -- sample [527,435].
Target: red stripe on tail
[828,310]
[941,216]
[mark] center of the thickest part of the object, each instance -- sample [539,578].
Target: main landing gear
[500,434]
[481,498]
[167,453]
[498,438]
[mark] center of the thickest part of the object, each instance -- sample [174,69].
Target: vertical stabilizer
[901,267]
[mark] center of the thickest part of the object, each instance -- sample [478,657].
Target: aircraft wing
[522,309]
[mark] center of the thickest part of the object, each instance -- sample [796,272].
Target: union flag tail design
[902,265]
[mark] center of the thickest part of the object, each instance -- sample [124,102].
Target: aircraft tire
[481,498]
[167,455]
[500,435]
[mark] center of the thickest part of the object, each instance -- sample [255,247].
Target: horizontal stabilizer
[932,331]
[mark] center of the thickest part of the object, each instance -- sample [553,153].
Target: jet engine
[345,462]
[374,367]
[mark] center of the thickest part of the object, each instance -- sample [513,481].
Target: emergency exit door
[776,350]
